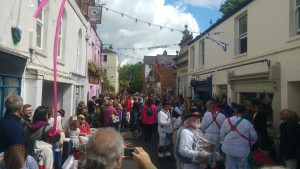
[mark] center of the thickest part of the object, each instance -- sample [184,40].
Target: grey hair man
[105,150]
[10,127]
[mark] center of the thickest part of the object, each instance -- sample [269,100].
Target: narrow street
[150,147]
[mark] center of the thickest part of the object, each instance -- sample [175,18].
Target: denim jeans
[133,120]
[57,160]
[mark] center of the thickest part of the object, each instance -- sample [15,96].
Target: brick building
[158,74]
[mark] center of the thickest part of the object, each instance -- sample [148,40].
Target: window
[105,72]
[59,47]
[202,52]
[9,85]
[39,29]
[78,52]
[297,17]
[192,57]
[242,22]
[105,58]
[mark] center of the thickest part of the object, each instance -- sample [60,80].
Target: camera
[128,152]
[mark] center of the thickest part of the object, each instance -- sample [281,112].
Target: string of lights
[145,22]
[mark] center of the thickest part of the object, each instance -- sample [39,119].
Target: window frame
[192,57]
[202,52]
[60,39]
[242,36]
[40,22]
[297,17]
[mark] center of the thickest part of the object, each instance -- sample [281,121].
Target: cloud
[211,4]
[123,32]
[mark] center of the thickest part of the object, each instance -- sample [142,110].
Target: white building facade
[251,53]
[110,65]
[36,45]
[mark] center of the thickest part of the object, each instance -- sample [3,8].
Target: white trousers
[233,162]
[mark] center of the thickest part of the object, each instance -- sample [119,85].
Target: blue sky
[202,11]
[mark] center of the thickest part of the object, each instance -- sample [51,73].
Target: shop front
[202,89]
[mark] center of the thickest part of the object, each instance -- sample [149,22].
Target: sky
[122,25]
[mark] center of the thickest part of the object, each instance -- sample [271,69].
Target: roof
[224,18]
[149,60]
[108,51]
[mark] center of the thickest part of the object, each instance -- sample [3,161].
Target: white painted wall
[112,66]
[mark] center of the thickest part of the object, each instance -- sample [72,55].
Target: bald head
[105,148]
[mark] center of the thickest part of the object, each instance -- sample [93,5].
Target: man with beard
[26,115]
[185,146]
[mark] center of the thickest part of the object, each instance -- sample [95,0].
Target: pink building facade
[94,80]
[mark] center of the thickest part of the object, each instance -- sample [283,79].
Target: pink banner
[40,8]
[157,70]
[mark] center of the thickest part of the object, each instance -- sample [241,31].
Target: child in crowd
[126,122]
[43,150]
[74,132]
[16,157]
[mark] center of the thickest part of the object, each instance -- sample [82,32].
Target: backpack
[149,111]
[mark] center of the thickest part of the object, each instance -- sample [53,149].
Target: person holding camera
[105,149]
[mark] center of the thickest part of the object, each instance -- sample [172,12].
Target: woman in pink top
[149,117]
[107,114]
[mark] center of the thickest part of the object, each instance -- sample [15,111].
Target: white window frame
[192,57]
[202,52]
[60,39]
[297,17]
[40,22]
[242,36]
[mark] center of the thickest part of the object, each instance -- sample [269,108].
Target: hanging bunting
[157,47]
[145,22]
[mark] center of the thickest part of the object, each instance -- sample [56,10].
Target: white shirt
[165,121]
[213,127]
[233,143]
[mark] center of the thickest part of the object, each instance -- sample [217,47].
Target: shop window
[265,100]
[9,85]
[105,58]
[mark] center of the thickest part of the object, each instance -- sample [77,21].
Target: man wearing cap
[165,130]
[237,135]
[185,145]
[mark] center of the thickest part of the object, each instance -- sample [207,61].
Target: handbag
[115,118]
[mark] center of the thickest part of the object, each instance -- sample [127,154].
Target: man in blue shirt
[10,127]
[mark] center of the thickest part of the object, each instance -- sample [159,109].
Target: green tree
[136,83]
[230,5]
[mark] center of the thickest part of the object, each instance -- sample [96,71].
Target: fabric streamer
[157,70]
[222,44]
[40,8]
[157,47]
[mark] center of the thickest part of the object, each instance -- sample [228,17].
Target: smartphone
[128,152]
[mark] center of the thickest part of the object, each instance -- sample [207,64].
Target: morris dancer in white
[165,130]
[185,146]
[211,125]
[237,135]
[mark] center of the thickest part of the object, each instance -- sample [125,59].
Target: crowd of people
[214,135]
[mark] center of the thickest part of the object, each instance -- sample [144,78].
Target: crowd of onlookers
[197,134]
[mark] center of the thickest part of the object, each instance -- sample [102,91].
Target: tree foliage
[230,5]
[136,83]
